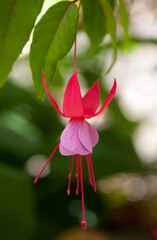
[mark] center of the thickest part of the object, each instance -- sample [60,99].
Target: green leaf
[94,21]
[112,3]
[111,27]
[53,38]
[17,19]
[124,18]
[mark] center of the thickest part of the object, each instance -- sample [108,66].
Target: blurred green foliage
[93,15]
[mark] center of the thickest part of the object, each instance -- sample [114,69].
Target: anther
[83,225]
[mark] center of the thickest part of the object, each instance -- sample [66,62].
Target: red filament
[83,223]
[92,172]
[77,174]
[70,174]
[90,177]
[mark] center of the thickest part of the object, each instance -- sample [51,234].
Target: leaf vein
[7,30]
[57,30]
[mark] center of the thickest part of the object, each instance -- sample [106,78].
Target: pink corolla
[79,137]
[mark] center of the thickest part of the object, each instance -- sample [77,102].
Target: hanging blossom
[79,137]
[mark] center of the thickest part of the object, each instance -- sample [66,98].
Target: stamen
[70,174]
[77,174]
[92,173]
[83,223]
[90,177]
[36,179]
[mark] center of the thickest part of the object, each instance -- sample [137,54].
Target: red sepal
[108,100]
[91,99]
[51,98]
[72,102]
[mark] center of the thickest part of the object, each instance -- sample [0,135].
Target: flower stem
[75,44]
[75,55]
[70,174]
[79,4]
[83,223]
[36,179]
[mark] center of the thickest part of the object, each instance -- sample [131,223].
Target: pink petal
[108,100]
[70,138]
[51,98]
[84,136]
[88,135]
[91,99]
[64,151]
[72,102]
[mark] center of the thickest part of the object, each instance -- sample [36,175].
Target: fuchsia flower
[79,137]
